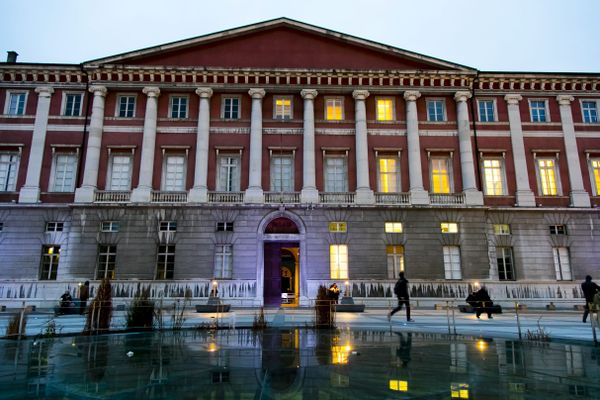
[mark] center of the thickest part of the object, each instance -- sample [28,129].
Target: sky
[490,35]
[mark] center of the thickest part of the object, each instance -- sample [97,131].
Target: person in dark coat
[401,290]
[483,303]
[333,292]
[65,302]
[84,295]
[589,289]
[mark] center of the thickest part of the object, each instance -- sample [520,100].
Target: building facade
[277,157]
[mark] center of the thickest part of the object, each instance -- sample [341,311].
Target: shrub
[323,309]
[100,310]
[259,320]
[140,315]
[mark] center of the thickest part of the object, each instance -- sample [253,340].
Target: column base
[525,198]
[419,197]
[254,195]
[364,196]
[85,194]
[29,194]
[580,198]
[473,197]
[141,195]
[309,195]
[198,195]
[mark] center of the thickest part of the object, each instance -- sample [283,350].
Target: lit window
[440,175]
[54,226]
[223,261]
[546,168]
[595,171]
[338,261]
[395,260]
[179,107]
[9,166]
[283,108]
[334,108]
[493,177]
[389,174]
[385,110]
[399,386]
[167,226]
[72,104]
[338,227]
[459,391]
[165,261]
[336,174]
[282,173]
[174,173]
[224,226]
[126,106]
[590,112]
[486,110]
[120,172]
[393,227]
[50,259]
[504,259]
[107,259]
[435,111]
[501,229]
[449,227]
[562,266]
[228,173]
[558,229]
[64,169]
[230,108]
[109,226]
[16,103]
[538,111]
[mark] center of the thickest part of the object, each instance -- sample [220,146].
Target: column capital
[564,99]
[204,92]
[411,95]
[151,91]
[462,96]
[360,94]
[98,90]
[257,93]
[44,91]
[513,99]
[308,94]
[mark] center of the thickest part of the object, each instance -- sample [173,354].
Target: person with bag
[589,289]
[401,291]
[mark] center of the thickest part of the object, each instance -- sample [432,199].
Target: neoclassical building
[276,157]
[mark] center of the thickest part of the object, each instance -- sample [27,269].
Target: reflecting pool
[296,364]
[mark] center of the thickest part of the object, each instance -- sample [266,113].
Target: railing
[168,197]
[282,197]
[337,197]
[112,196]
[446,198]
[226,197]
[392,198]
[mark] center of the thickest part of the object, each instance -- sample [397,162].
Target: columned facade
[199,193]
[364,193]
[254,193]
[418,195]
[309,193]
[473,196]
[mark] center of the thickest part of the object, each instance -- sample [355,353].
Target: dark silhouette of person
[403,352]
[483,303]
[333,292]
[84,295]
[589,289]
[65,302]
[401,291]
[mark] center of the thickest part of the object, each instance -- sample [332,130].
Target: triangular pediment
[280,44]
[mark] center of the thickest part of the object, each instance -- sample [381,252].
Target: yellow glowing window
[385,111]
[449,227]
[339,354]
[440,175]
[389,181]
[338,261]
[395,260]
[338,226]
[459,391]
[501,229]
[493,180]
[399,386]
[283,108]
[596,174]
[393,227]
[335,109]
[547,171]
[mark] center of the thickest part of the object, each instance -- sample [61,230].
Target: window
[501,229]
[72,104]
[393,227]
[558,229]
[435,111]
[223,261]
[334,108]
[9,166]
[538,111]
[120,172]
[385,109]
[486,110]
[165,261]
[395,260]
[338,261]
[389,174]
[590,112]
[107,257]
[110,226]
[441,181]
[64,169]
[504,259]
[336,174]
[452,262]
[179,107]
[546,169]
[493,177]
[231,108]
[595,172]
[449,227]
[50,259]
[224,226]
[228,173]
[16,103]
[167,226]
[562,265]
[282,173]
[54,226]
[282,108]
[338,227]
[174,173]
[126,106]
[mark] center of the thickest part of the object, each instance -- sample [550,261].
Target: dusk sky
[508,35]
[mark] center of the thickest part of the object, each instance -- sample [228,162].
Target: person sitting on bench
[482,302]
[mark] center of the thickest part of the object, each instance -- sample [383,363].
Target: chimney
[11,57]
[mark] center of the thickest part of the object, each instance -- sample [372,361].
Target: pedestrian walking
[401,291]
[589,289]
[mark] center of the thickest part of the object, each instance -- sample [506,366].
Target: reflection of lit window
[459,390]
[399,386]
[385,110]
[393,227]
[339,380]
[339,354]
[449,227]
[338,261]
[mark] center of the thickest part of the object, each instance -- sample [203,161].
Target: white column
[524,195]
[309,192]
[199,193]
[143,192]
[467,166]
[85,193]
[364,194]
[254,193]
[30,192]
[579,197]
[418,195]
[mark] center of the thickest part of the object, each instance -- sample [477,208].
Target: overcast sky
[504,35]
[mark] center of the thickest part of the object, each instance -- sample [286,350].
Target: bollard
[593,320]
[453,318]
[518,320]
